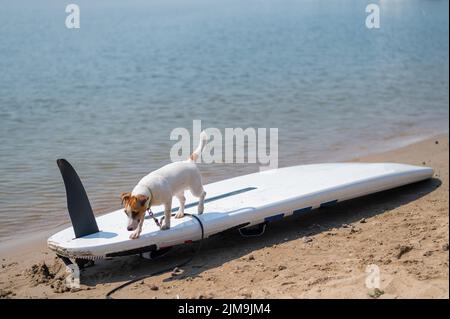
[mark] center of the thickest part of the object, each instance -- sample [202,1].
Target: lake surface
[106,96]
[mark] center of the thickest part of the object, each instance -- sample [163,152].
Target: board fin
[80,210]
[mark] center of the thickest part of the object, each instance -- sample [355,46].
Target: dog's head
[134,207]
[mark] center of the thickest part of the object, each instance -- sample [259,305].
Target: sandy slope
[324,254]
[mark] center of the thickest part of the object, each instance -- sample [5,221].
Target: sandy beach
[323,254]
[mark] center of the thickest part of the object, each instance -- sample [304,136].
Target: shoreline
[410,278]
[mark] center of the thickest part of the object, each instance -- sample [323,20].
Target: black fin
[80,210]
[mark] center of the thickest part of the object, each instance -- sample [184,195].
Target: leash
[159,272]
[157,222]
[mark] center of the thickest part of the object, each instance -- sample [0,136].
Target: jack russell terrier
[160,186]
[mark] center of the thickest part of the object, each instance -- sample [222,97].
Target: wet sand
[324,254]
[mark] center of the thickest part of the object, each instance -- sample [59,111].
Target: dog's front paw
[165,227]
[135,234]
[179,215]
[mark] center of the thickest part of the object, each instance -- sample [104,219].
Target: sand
[403,233]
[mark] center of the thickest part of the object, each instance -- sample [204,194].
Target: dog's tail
[198,151]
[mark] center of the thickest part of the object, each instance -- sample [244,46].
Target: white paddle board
[241,202]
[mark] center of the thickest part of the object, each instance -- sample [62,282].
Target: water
[107,96]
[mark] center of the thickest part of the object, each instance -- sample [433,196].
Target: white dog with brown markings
[159,187]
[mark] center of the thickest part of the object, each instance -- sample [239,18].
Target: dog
[159,187]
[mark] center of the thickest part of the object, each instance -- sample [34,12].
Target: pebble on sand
[176,271]
[403,250]
[375,293]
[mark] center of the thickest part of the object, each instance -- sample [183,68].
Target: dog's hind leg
[167,211]
[199,192]
[182,200]
[201,202]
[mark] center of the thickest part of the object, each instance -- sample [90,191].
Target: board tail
[198,151]
[80,210]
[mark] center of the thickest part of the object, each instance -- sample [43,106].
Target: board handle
[80,210]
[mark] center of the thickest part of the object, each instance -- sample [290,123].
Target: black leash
[159,272]
[157,222]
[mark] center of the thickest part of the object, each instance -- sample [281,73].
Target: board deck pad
[242,201]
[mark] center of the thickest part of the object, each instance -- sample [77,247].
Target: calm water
[106,96]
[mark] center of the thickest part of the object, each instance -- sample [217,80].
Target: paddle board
[240,202]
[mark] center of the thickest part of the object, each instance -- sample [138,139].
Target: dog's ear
[125,197]
[142,199]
